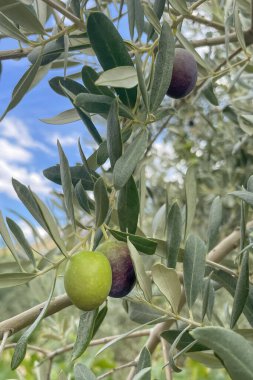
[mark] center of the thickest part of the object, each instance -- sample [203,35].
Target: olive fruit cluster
[91,276]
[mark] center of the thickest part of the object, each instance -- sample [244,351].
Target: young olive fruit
[123,275]
[184,74]
[88,279]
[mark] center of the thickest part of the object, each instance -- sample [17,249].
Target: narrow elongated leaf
[19,235]
[67,186]
[128,207]
[110,50]
[191,199]
[7,27]
[99,104]
[21,345]
[8,241]
[139,17]
[23,86]
[152,18]
[163,67]
[59,84]
[141,275]
[82,197]
[142,312]
[215,219]
[229,283]
[244,195]
[102,153]
[27,199]
[81,372]
[78,173]
[238,28]
[234,351]
[180,6]
[101,202]
[127,163]
[50,223]
[174,234]
[208,299]
[50,52]
[144,362]
[99,319]
[194,268]
[131,17]
[172,349]
[141,243]
[143,374]
[114,141]
[22,14]
[122,76]
[185,340]
[65,117]
[89,77]
[168,282]
[158,10]
[84,333]
[8,280]
[241,291]
[141,81]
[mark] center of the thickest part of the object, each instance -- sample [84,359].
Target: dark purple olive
[184,74]
[123,275]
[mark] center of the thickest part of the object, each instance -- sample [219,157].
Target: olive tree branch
[127,365]
[165,351]
[217,254]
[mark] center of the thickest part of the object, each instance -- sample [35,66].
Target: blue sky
[27,145]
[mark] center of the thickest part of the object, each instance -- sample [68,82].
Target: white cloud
[64,140]
[15,130]
[21,173]
[16,153]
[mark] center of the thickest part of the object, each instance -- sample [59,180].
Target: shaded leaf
[99,104]
[142,278]
[128,207]
[193,268]
[8,27]
[215,219]
[114,141]
[8,241]
[163,67]
[101,202]
[185,340]
[168,282]
[89,77]
[81,372]
[22,14]
[141,243]
[99,319]
[49,53]
[110,50]
[191,198]
[174,234]
[84,333]
[82,197]
[244,195]
[234,351]
[229,283]
[144,362]
[19,235]
[208,295]
[158,10]
[142,312]
[241,291]
[66,182]
[127,163]
[141,81]
[8,280]
[78,173]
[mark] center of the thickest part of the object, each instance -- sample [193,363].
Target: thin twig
[127,365]
[4,340]
[167,369]
[42,351]
[65,13]
[96,342]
